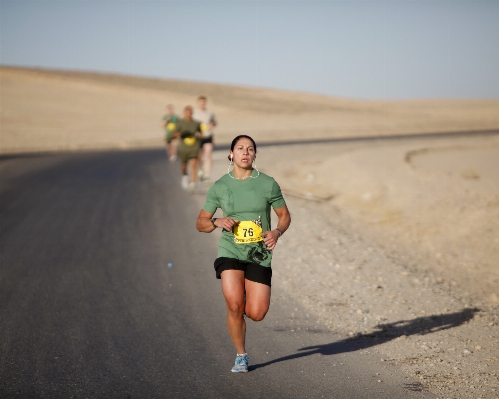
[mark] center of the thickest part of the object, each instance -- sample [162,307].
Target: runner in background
[169,124]
[188,131]
[245,249]
[208,122]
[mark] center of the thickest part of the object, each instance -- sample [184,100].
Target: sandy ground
[436,201]
[398,239]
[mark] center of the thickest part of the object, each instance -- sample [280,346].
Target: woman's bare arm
[204,224]
[272,236]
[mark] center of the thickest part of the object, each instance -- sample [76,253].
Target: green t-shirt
[172,119]
[188,129]
[245,200]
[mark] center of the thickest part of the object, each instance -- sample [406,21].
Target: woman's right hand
[204,222]
[226,223]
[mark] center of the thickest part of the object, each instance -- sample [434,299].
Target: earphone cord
[244,178]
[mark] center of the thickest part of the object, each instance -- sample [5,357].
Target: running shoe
[242,363]
[173,158]
[207,182]
[185,182]
[191,187]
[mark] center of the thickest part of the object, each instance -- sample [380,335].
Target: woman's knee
[235,308]
[256,314]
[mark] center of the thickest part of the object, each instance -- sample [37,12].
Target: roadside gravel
[355,288]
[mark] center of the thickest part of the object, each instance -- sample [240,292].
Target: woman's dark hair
[237,138]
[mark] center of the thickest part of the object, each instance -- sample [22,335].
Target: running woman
[245,196]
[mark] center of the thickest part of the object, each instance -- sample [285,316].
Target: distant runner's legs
[172,149]
[193,166]
[207,150]
[185,177]
[200,160]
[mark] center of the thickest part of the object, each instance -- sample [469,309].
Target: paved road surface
[90,309]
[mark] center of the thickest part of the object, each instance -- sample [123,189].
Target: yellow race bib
[246,232]
[190,141]
[204,127]
[171,126]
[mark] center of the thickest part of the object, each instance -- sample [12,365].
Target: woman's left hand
[270,238]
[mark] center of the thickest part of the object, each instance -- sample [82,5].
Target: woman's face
[243,153]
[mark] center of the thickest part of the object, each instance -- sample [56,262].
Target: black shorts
[208,139]
[252,271]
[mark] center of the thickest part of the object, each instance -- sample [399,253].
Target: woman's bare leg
[255,305]
[257,300]
[233,290]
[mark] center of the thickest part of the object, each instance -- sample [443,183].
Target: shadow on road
[383,333]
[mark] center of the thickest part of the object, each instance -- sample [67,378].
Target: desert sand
[49,110]
[386,228]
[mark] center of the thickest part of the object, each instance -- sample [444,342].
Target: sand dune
[53,110]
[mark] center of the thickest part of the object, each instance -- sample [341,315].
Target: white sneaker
[173,158]
[191,187]
[185,182]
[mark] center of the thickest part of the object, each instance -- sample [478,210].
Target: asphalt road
[90,309]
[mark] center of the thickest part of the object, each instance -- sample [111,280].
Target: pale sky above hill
[360,49]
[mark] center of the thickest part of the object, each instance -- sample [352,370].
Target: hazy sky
[361,49]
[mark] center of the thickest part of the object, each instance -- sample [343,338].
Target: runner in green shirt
[188,131]
[245,196]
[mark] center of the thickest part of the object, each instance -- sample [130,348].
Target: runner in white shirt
[208,122]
